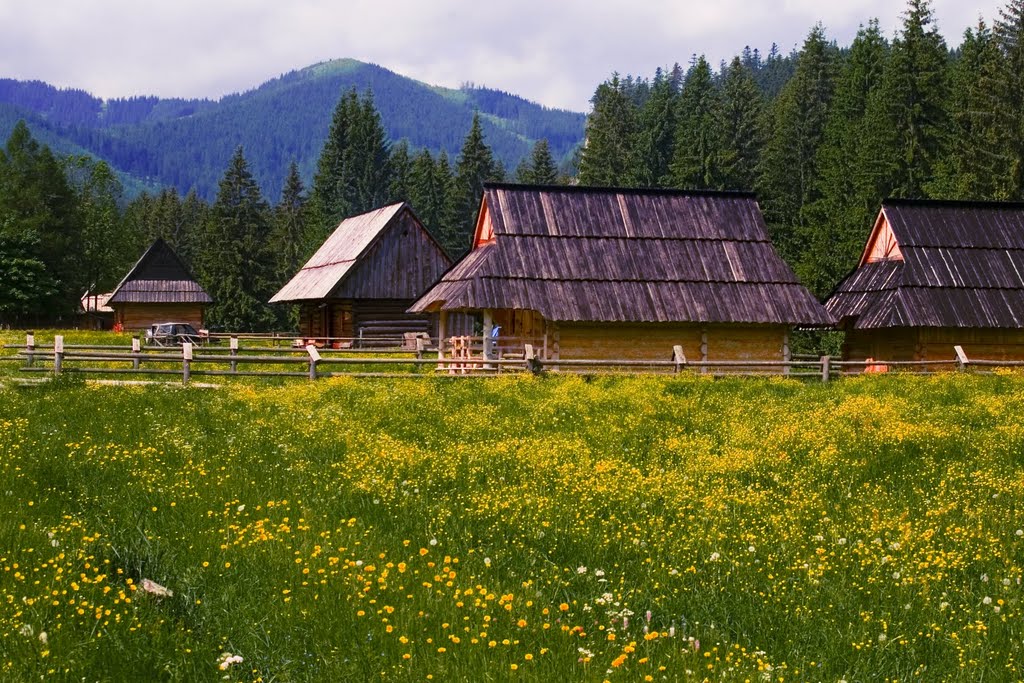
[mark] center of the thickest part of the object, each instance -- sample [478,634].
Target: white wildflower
[714,557]
[581,570]
[26,630]
[487,561]
[433,541]
[240,508]
[44,639]
[882,637]
[227,660]
[154,588]
[986,600]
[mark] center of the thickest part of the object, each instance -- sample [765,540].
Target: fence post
[419,348]
[704,349]
[186,362]
[58,353]
[234,353]
[787,356]
[314,357]
[678,357]
[962,361]
[533,364]
[30,347]
[826,368]
[136,350]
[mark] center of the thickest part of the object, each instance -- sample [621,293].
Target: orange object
[872,366]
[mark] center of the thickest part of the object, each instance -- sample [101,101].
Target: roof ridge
[582,189]
[965,203]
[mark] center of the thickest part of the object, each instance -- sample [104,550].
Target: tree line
[906,117]
[66,228]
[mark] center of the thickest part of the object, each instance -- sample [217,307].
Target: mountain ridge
[186,143]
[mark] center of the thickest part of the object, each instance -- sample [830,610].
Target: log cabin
[932,275]
[360,282]
[158,289]
[607,273]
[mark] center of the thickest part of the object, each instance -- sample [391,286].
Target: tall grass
[538,528]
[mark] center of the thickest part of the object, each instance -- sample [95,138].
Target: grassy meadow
[548,528]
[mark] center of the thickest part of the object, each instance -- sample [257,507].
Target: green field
[548,528]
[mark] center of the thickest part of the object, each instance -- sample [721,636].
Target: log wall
[655,341]
[910,344]
[143,316]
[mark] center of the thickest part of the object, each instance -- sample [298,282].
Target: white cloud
[554,52]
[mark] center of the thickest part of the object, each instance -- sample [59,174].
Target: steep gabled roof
[625,255]
[159,276]
[340,255]
[961,264]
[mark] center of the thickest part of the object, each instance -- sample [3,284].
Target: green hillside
[187,143]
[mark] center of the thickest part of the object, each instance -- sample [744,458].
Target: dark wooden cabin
[158,289]
[604,273]
[360,282]
[935,274]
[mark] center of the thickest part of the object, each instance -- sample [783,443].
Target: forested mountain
[187,144]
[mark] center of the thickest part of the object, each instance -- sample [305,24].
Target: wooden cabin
[935,274]
[94,313]
[605,273]
[360,282]
[158,289]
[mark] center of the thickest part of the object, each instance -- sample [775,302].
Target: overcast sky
[552,51]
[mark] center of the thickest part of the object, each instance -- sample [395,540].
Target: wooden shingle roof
[622,255]
[962,266]
[338,259]
[159,277]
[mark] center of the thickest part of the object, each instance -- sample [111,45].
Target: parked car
[172,334]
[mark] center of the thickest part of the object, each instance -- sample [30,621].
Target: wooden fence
[456,360]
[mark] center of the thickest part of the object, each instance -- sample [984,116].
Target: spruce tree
[612,126]
[740,118]
[698,142]
[107,248]
[972,167]
[834,233]
[907,114]
[475,167]
[539,168]
[237,263]
[655,140]
[401,168]
[788,180]
[290,240]
[1007,89]
[370,158]
[332,195]
[39,211]
[454,236]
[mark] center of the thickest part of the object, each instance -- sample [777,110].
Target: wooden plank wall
[927,343]
[736,342]
[982,344]
[387,317]
[143,316]
[626,341]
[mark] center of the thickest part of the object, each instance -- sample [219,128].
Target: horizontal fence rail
[455,357]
